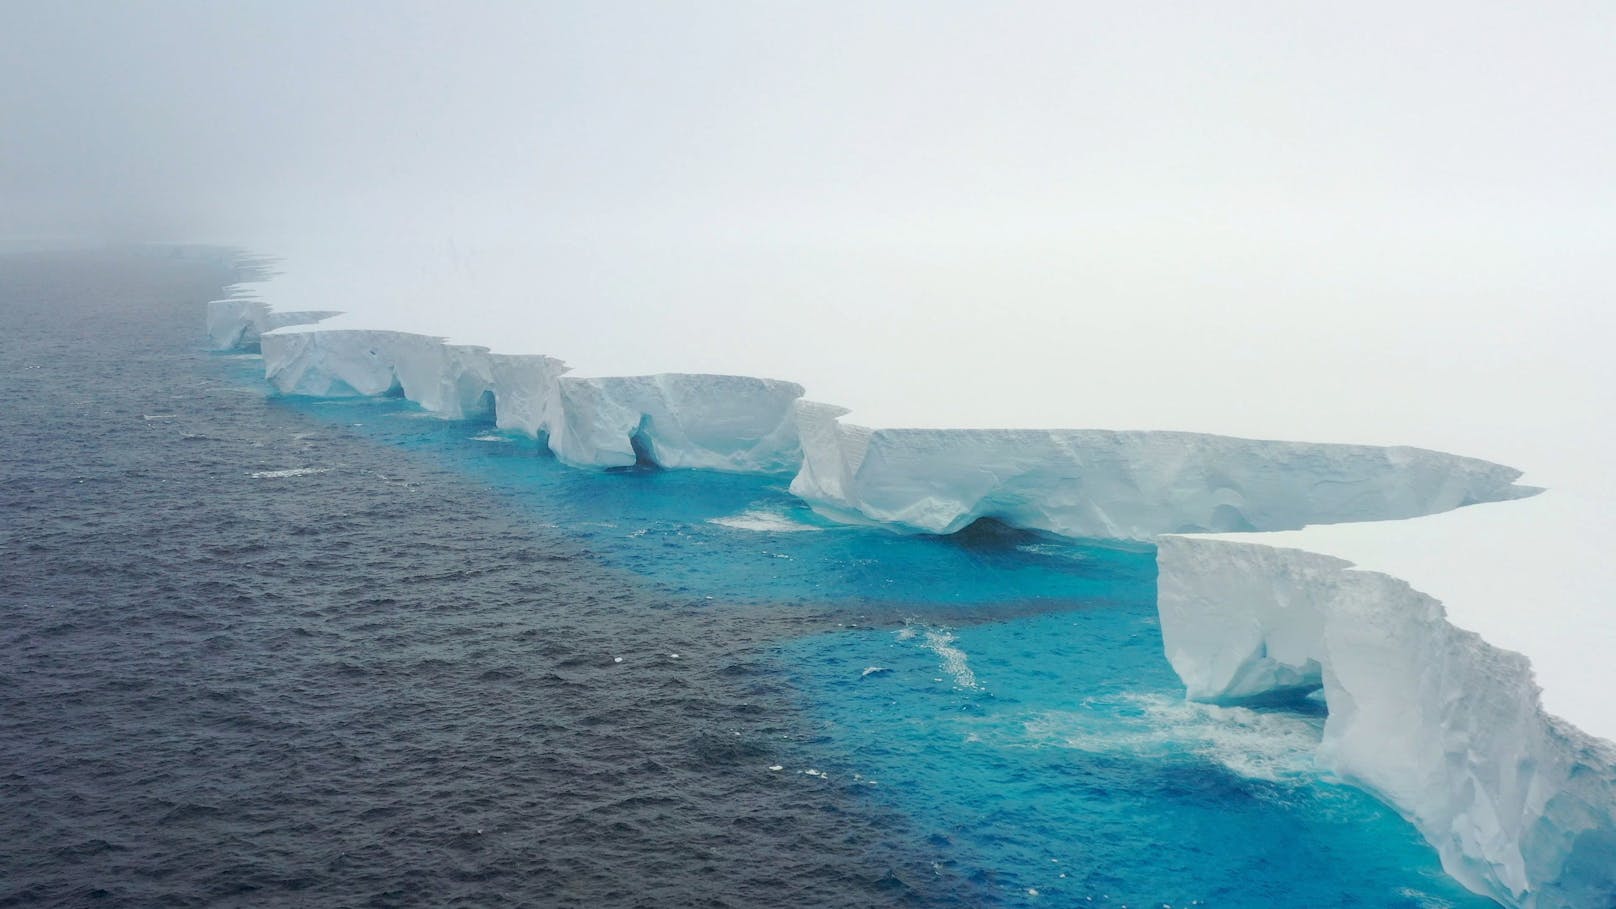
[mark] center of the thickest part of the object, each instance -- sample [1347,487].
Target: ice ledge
[1442,725]
[1122,485]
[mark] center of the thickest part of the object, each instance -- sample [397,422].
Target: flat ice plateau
[1458,623]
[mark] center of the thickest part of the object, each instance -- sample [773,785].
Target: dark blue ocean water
[270,651]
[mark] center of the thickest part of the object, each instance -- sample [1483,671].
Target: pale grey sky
[1013,121]
[1262,218]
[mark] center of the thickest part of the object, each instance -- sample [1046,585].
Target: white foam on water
[1058,550]
[292,472]
[1424,900]
[1270,745]
[761,521]
[953,659]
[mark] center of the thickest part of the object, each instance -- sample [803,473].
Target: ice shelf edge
[938,481]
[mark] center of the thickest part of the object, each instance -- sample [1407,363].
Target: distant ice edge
[238,323]
[1440,724]
[1518,812]
[730,423]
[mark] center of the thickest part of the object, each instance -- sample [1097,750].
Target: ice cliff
[1121,485]
[733,423]
[1080,483]
[237,323]
[1440,724]
[1443,726]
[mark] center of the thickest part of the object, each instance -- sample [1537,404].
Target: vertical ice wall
[236,323]
[732,423]
[1442,725]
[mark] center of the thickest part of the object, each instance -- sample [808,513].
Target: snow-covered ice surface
[1442,723]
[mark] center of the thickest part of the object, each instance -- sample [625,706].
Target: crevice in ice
[640,441]
[485,409]
[1226,519]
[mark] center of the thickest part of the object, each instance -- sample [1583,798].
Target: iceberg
[1446,726]
[1439,723]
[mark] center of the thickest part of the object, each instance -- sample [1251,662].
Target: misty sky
[1010,121]
[1260,218]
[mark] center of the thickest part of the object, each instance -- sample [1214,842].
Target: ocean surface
[268,651]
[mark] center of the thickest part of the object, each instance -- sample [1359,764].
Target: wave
[761,521]
[290,472]
[1275,746]
[941,642]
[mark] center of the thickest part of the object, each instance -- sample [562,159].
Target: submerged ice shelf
[1444,726]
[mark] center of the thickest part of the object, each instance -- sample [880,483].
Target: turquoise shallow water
[1005,692]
